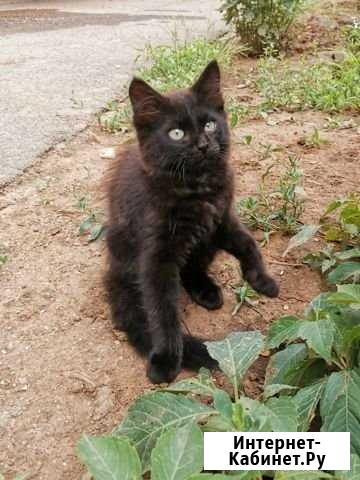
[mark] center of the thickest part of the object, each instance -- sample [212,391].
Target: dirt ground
[63,370]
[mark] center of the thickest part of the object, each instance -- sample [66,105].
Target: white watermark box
[277,451]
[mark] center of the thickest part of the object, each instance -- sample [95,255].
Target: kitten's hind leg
[201,288]
[126,308]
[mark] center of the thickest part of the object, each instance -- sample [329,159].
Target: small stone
[108,153]
[286,307]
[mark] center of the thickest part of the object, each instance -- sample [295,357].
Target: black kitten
[170,202]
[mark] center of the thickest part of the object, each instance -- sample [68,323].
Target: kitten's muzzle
[203,144]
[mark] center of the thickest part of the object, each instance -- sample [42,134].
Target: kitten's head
[187,127]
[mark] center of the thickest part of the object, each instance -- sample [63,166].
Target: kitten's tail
[195,354]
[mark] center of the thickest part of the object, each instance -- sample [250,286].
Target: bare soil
[63,370]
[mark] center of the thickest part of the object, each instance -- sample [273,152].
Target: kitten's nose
[202,145]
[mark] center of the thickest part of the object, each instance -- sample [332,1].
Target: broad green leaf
[348,254]
[284,330]
[299,475]
[327,264]
[155,413]
[274,389]
[318,308]
[218,423]
[343,272]
[286,366]
[351,340]
[223,404]
[305,234]
[252,475]
[257,417]
[277,414]
[353,473]
[346,295]
[237,353]
[346,321]
[109,458]
[284,416]
[203,384]
[319,336]
[315,370]
[334,388]
[209,476]
[239,418]
[340,408]
[341,299]
[306,401]
[178,454]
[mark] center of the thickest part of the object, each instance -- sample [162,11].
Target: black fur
[170,205]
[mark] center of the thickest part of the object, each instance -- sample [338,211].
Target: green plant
[260,24]
[321,359]
[3,259]
[341,264]
[345,228]
[318,366]
[116,118]
[279,209]
[352,36]
[336,264]
[178,65]
[244,295]
[314,140]
[237,111]
[91,226]
[161,428]
[169,67]
[319,85]
[333,123]
[267,150]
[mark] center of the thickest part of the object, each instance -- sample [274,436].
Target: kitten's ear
[146,102]
[208,88]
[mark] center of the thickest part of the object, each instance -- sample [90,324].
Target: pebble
[108,153]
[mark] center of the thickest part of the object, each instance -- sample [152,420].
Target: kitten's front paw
[163,367]
[264,284]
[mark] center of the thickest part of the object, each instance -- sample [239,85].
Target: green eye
[176,134]
[210,127]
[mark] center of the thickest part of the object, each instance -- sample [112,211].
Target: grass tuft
[278,209]
[321,85]
[178,65]
[174,66]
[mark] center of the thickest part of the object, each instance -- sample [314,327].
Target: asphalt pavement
[61,61]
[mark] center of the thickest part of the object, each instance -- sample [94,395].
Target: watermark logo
[277,451]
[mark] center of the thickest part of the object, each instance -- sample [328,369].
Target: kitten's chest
[194,221]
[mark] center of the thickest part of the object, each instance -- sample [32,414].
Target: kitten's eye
[210,127]
[176,134]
